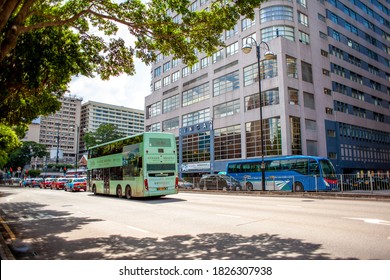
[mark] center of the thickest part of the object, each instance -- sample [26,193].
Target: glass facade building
[326,93]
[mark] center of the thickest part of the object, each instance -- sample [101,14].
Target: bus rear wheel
[298,187]
[119,191]
[128,192]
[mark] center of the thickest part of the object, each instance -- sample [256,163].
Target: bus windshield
[327,168]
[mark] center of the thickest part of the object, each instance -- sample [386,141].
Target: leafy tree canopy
[43,43]
[104,133]
[22,156]
[8,142]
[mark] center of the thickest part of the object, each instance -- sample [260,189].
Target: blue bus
[285,173]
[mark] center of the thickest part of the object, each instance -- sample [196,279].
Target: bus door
[106,180]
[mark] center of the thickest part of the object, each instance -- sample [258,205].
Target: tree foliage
[44,43]
[104,133]
[8,142]
[22,156]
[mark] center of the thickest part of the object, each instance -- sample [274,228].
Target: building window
[311,147]
[166,81]
[327,91]
[157,72]
[293,96]
[247,23]
[154,109]
[196,94]
[227,109]
[308,100]
[269,68]
[292,70]
[310,125]
[252,102]
[303,19]
[204,62]
[195,67]
[250,74]
[196,147]
[329,111]
[230,33]
[274,13]
[170,124]
[156,127]
[157,85]
[232,49]
[226,83]
[304,38]
[275,31]
[307,73]
[171,104]
[185,71]
[175,76]
[272,137]
[167,66]
[196,117]
[295,136]
[227,142]
[217,56]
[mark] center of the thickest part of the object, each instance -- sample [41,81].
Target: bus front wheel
[128,192]
[94,189]
[298,187]
[249,186]
[119,191]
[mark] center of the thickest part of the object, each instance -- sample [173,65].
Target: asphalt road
[50,224]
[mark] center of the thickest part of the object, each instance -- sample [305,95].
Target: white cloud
[128,91]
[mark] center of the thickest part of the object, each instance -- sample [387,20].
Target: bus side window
[314,168]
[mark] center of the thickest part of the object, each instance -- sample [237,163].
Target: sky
[124,90]
[128,91]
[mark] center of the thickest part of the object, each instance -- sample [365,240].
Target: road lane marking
[138,229]
[371,221]
[228,216]
[289,206]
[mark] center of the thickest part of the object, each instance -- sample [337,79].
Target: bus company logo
[200,127]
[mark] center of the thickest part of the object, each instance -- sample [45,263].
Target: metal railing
[346,183]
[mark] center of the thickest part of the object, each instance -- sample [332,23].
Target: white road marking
[229,216]
[138,229]
[289,206]
[371,221]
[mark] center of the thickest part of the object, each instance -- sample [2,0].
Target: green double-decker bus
[142,165]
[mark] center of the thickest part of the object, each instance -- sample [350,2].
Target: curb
[5,251]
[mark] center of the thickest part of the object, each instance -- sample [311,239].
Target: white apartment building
[129,121]
[326,93]
[59,131]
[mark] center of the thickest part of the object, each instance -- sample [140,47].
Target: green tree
[22,156]
[8,142]
[43,43]
[104,133]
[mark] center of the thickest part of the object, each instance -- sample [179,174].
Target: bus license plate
[162,189]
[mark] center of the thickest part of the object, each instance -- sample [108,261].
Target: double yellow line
[7,228]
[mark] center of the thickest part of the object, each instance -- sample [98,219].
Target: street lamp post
[58,142]
[77,146]
[267,55]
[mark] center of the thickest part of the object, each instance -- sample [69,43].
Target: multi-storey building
[129,121]
[59,131]
[326,93]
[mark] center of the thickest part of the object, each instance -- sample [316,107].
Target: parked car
[59,183]
[183,184]
[32,182]
[76,184]
[218,182]
[46,183]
